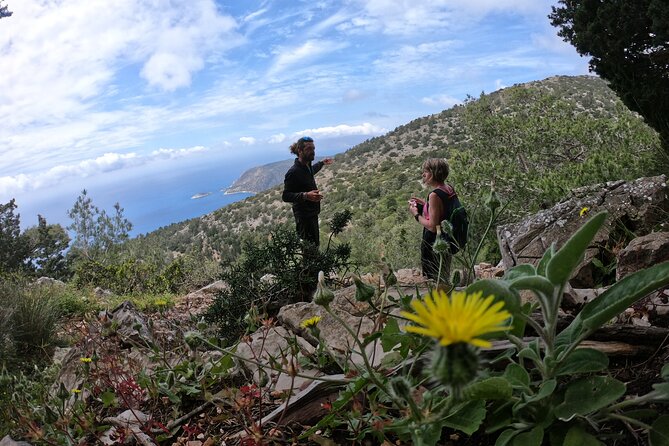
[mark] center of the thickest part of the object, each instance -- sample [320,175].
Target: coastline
[227,192]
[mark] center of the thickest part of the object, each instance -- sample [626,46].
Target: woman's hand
[413,207]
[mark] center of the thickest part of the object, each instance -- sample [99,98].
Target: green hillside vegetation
[535,142]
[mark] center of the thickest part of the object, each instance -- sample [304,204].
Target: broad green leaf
[659,433]
[533,283]
[547,388]
[532,438]
[428,434]
[391,360]
[499,416]
[563,263]
[583,360]
[517,375]
[108,398]
[542,288]
[372,337]
[500,289]
[505,437]
[641,414]
[543,263]
[391,335]
[587,395]
[519,323]
[529,353]
[577,436]
[495,388]
[522,270]
[467,418]
[662,391]
[614,301]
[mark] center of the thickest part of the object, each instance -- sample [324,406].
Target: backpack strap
[447,193]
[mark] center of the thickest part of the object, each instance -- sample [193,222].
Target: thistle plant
[457,324]
[557,393]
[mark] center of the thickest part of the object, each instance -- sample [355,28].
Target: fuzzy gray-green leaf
[562,264]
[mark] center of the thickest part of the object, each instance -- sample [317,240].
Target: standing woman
[430,214]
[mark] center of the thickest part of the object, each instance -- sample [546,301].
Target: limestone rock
[102,293]
[410,276]
[48,281]
[7,441]
[129,324]
[269,346]
[643,252]
[637,205]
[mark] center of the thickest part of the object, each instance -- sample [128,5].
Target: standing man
[299,188]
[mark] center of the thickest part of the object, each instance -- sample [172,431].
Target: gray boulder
[643,252]
[634,207]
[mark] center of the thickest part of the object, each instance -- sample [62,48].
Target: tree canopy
[628,41]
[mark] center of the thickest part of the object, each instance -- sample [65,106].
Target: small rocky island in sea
[200,195]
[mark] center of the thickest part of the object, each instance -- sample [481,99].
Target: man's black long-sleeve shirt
[300,179]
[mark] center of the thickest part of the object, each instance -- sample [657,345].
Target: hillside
[260,178]
[534,141]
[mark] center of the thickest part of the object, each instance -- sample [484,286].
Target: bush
[29,316]
[132,276]
[274,272]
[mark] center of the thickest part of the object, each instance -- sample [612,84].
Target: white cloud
[354,94]
[276,139]
[499,84]
[441,100]
[69,68]
[305,53]
[108,162]
[249,140]
[343,130]
[413,63]
[408,17]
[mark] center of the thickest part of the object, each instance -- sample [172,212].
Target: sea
[157,195]
[169,191]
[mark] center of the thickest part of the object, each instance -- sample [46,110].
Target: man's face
[308,151]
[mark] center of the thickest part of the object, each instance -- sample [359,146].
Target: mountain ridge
[534,141]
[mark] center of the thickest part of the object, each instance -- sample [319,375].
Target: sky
[94,91]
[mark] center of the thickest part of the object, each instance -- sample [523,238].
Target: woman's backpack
[456,215]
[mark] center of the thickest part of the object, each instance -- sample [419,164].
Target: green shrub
[293,267]
[33,318]
[132,276]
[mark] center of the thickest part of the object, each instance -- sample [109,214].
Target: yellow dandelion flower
[583,211]
[161,302]
[76,391]
[461,318]
[311,322]
[85,360]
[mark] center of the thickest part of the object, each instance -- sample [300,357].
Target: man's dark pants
[307,228]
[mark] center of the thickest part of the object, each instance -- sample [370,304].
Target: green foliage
[131,275]
[270,273]
[554,391]
[30,315]
[38,250]
[551,391]
[47,244]
[535,141]
[13,247]
[630,54]
[96,232]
